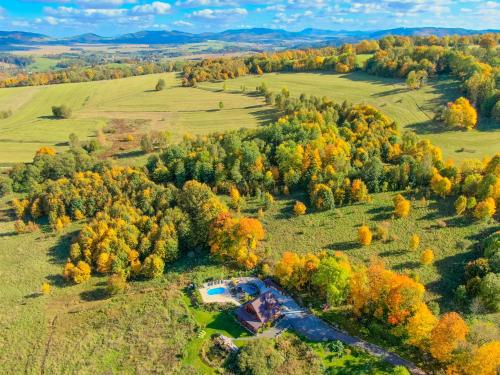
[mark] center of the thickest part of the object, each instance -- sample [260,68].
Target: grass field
[453,239]
[410,109]
[176,109]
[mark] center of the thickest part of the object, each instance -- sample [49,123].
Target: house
[259,311]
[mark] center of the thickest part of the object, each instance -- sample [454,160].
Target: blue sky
[112,17]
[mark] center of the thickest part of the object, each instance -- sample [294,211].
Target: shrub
[221,105]
[116,284]
[45,288]
[147,145]
[479,267]
[299,208]
[62,111]
[427,257]
[22,227]
[364,235]
[414,242]
[382,231]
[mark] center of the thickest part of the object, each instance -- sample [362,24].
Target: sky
[113,17]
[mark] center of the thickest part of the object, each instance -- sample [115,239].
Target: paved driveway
[315,329]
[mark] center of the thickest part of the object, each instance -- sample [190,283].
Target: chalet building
[258,312]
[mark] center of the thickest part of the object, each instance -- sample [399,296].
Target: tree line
[76,74]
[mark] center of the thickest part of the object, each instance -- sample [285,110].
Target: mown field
[411,109]
[176,109]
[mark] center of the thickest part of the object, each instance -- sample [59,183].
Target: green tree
[332,278]
[160,85]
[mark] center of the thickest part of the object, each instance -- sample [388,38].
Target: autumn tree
[448,334]
[460,114]
[460,205]
[485,360]
[237,200]
[365,235]
[427,257]
[485,209]
[414,242]
[440,185]
[322,197]
[401,206]
[299,208]
[236,239]
[153,266]
[419,327]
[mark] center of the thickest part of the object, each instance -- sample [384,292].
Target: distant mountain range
[255,35]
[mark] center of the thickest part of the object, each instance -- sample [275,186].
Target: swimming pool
[214,291]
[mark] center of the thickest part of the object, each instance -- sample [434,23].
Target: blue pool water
[214,291]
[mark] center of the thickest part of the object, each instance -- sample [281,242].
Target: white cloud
[156,7]
[183,24]
[212,14]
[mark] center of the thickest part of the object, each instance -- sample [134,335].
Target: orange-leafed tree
[236,239]
[448,335]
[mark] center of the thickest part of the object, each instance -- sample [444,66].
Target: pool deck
[226,297]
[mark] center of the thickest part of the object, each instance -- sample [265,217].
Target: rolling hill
[254,35]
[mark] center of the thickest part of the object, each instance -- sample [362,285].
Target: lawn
[453,239]
[176,109]
[411,109]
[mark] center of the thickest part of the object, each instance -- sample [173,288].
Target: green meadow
[411,109]
[176,109]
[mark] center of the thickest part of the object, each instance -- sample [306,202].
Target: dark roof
[264,308]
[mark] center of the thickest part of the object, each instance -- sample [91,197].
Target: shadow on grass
[346,245]
[97,294]
[410,265]
[129,154]
[451,269]
[390,253]
[59,253]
